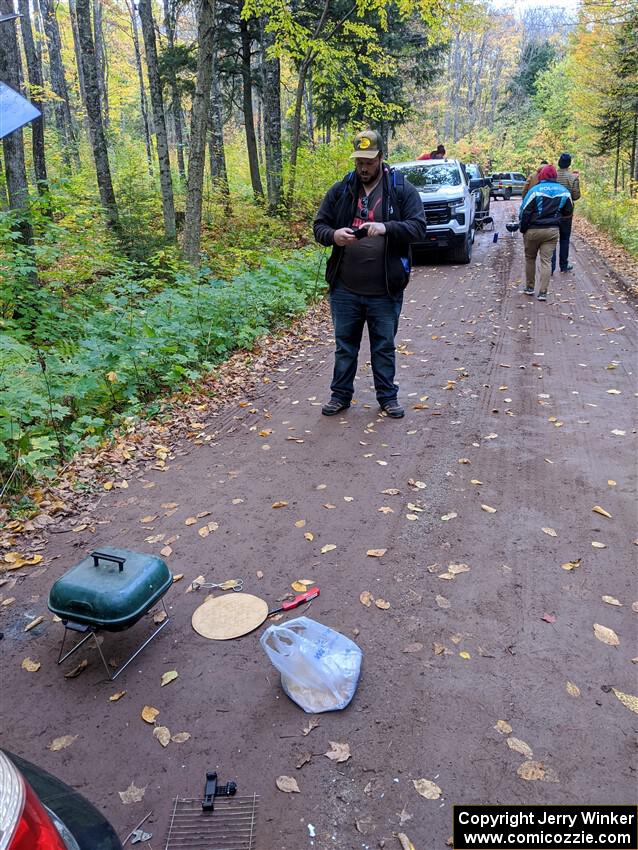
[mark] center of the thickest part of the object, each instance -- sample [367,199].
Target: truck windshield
[431,176]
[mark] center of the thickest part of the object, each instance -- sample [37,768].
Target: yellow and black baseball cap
[367,145]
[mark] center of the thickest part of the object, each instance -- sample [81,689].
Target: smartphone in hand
[360,232]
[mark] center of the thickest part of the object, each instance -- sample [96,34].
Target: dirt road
[524,408]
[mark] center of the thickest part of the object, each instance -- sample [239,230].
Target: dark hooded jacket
[402,214]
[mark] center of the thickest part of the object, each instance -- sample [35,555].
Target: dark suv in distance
[482,194]
[507,183]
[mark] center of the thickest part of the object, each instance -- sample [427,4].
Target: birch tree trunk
[199,121]
[217,153]
[63,119]
[36,81]
[76,46]
[271,71]
[94,113]
[140,77]
[249,119]
[13,143]
[157,101]
[176,106]
[296,127]
[101,59]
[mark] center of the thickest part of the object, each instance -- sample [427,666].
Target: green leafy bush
[118,353]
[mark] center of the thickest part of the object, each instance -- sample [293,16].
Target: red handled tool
[299,599]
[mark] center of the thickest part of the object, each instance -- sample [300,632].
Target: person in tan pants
[542,209]
[539,241]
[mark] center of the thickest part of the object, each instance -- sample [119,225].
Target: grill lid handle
[115,559]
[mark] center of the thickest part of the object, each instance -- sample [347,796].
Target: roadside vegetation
[136,256]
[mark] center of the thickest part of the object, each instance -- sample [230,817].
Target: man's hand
[344,236]
[376,228]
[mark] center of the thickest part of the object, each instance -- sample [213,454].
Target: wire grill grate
[231,826]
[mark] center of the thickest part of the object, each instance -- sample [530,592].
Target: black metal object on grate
[231,826]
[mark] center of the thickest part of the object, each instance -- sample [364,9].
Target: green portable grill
[109,590]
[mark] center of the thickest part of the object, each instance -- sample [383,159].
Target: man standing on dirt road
[570,180]
[542,210]
[369,218]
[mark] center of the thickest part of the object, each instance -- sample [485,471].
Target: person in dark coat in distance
[369,218]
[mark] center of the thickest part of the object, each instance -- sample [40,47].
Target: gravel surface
[520,419]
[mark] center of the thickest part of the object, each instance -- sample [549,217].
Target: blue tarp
[15,110]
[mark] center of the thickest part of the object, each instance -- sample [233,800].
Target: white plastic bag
[319,667]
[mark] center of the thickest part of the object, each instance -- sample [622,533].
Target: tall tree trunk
[296,128]
[176,106]
[618,137]
[216,149]
[157,101]
[140,77]
[101,59]
[307,101]
[199,120]
[633,168]
[271,87]
[34,69]
[63,119]
[13,143]
[249,120]
[76,47]
[94,112]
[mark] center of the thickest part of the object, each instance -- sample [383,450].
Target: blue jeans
[350,312]
[565,231]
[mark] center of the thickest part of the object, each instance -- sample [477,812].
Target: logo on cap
[364,143]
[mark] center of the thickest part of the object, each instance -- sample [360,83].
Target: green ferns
[109,355]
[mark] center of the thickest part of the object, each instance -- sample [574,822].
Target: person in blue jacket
[542,209]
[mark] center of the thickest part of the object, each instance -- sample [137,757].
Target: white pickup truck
[448,203]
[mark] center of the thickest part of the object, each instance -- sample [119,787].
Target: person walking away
[570,180]
[369,219]
[542,210]
[532,180]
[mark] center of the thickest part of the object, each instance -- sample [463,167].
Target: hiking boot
[334,406]
[529,290]
[393,409]
[542,296]
[568,268]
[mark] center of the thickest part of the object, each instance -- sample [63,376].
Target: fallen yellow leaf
[30,665]
[550,531]
[376,553]
[572,689]
[606,635]
[382,604]
[598,545]
[598,510]
[611,600]
[571,565]
[280,504]
[628,700]
[488,509]
[300,523]
[33,623]
[366,598]
[309,535]
[205,530]
[503,727]
[163,735]
[61,743]
[465,655]
[520,747]
[168,677]
[426,788]
[117,696]
[328,548]
[149,713]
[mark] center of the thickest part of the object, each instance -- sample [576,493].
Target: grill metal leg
[92,632]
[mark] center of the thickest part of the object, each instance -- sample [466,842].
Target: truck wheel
[462,254]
